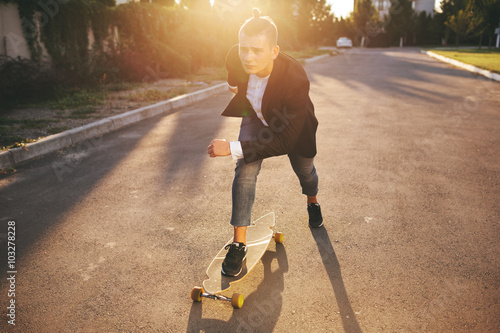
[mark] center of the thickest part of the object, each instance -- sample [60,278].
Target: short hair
[257,25]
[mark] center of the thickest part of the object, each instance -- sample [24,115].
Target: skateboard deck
[259,235]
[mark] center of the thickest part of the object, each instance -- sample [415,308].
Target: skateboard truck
[236,301]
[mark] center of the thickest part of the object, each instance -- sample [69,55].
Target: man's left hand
[219,147]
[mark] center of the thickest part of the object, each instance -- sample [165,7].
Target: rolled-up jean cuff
[310,193]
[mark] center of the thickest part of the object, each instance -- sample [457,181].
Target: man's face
[256,54]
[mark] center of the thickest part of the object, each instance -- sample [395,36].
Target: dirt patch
[23,125]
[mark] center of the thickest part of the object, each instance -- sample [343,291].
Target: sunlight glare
[341,7]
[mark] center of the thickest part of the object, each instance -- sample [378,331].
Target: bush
[24,81]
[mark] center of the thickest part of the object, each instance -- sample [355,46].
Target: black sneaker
[234,259]
[315,217]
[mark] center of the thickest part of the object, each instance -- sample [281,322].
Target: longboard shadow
[261,309]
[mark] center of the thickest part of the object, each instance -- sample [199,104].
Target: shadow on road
[261,309]
[405,75]
[42,192]
[187,144]
[332,267]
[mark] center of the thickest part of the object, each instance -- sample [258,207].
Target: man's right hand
[219,147]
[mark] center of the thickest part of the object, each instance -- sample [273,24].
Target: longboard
[259,235]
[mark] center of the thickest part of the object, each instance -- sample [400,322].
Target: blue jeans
[245,176]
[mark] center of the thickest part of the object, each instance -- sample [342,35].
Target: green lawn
[485,58]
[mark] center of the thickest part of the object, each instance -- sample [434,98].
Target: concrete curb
[313,59]
[462,65]
[16,156]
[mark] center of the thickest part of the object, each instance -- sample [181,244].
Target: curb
[16,156]
[313,59]
[470,68]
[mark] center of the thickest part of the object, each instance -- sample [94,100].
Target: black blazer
[286,107]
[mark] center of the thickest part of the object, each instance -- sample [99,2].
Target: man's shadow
[332,267]
[261,309]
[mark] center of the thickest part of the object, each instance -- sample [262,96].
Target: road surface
[111,235]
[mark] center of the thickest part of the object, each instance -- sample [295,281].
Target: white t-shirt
[255,93]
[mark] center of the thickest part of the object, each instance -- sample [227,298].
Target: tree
[459,23]
[364,15]
[168,3]
[342,28]
[314,20]
[282,13]
[401,20]
[424,29]
[448,9]
[485,16]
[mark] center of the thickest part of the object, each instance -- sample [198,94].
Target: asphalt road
[111,235]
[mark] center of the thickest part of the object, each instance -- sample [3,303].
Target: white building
[424,6]
[418,5]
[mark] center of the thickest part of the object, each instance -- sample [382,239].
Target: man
[272,96]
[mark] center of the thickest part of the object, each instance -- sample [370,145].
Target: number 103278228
[11,245]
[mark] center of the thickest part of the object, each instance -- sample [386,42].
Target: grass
[26,123]
[155,95]
[57,129]
[68,99]
[488,59]
[9,127]
[8,139]
[119,86]
[82,113]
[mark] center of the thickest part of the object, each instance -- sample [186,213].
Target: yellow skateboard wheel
[278,237]
[196,294]
[237,301]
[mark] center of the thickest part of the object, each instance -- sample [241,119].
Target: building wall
[425,5]
[419,6]
[12,41]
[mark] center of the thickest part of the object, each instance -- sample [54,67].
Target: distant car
[344,42]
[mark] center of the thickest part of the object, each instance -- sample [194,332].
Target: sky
[341,7]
